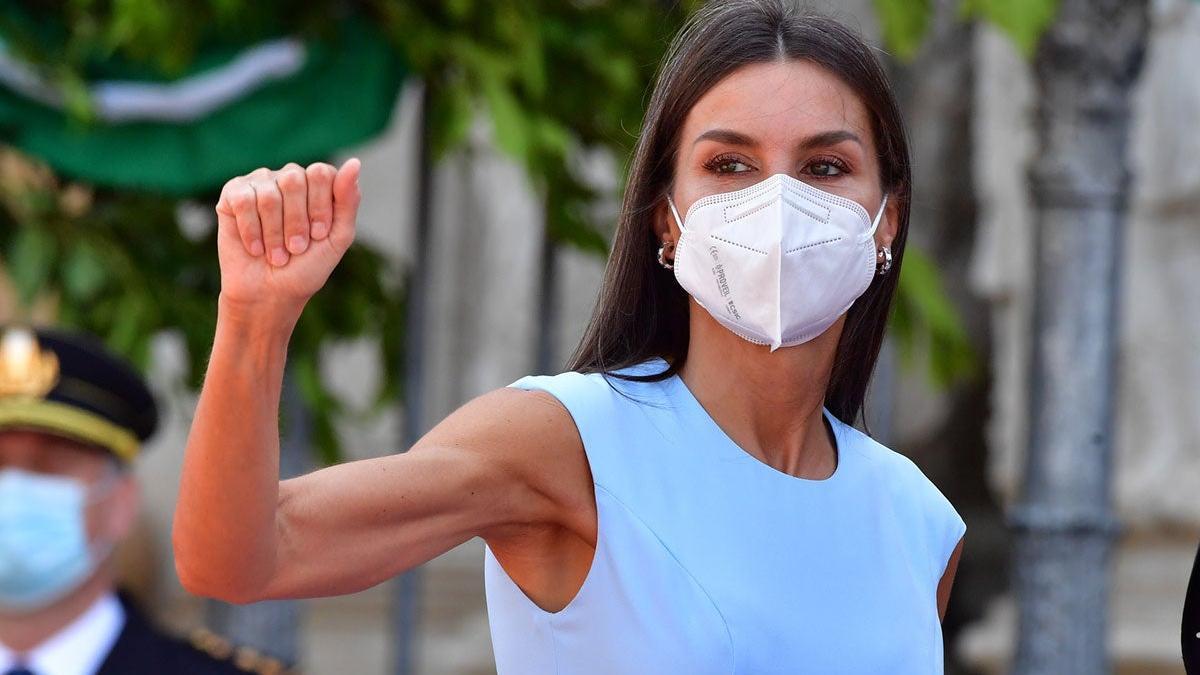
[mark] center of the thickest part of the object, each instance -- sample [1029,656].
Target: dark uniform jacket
[142,649]
[1191,621]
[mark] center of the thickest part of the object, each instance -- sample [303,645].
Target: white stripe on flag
[179,101]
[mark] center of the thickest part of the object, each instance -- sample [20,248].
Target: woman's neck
[769,403]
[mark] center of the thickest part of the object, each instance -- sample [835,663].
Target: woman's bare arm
[492,468]
[351,526]
[947,581]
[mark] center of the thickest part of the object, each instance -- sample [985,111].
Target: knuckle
[269,197]
[291,180]
[242,198]
[323,172]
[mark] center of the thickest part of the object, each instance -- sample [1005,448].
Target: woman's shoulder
[894,463]
[918,501]
[572,386]
[903,478]
[606,410]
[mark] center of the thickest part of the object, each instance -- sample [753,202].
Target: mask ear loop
[675,212]
[101,549]
[878,216]
[102,488]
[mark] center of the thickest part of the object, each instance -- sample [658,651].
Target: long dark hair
[641,311]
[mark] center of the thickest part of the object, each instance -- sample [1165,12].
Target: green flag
[233,110]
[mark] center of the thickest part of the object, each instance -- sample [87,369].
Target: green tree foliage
[115,263]
[554,77]
[1023,21]
[905,22]
[926,324]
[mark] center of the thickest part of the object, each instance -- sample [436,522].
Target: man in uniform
[72,419]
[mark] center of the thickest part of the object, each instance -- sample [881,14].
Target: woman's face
[789,117]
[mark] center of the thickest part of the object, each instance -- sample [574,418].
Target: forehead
[30,446]
[779,101]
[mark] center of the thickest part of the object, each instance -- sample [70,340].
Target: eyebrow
[827,138]
[725,136]
[823,139]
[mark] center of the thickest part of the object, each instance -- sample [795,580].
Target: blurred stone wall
[1157,481]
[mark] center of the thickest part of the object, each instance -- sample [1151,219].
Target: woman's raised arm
[495,466]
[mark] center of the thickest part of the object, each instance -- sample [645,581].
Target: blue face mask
[44,551]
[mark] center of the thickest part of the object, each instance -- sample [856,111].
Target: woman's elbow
[207,587]
[201,579]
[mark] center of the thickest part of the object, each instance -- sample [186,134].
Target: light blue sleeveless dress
[709,561]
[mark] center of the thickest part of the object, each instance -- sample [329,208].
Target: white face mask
[778,262]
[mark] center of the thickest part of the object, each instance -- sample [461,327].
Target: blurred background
[494,138]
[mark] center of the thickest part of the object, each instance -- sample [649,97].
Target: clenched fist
[280,233]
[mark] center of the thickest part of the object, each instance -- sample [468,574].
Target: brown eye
[726,164]
[824,169]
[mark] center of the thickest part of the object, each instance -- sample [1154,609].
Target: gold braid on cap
[27,374]
[25,369]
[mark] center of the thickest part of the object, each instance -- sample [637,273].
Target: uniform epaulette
[244,658]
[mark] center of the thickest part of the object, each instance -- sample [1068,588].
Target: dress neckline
[696,410]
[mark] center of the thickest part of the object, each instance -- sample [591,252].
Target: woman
[690,497]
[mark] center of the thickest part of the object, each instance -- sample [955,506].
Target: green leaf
[128,326]
[553,136]
[324,436]
[30,261]
[1023,21]
[507,119]
[530,62]
[926,318]
[457,9]
[450,118]
[84,272]
[308,378]
[76,97]
[904,24]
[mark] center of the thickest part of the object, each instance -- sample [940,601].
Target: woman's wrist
[260,321]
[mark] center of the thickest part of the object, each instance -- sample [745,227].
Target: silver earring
[886,254]
[661,260]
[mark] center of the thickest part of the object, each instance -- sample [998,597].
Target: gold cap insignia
[25,368]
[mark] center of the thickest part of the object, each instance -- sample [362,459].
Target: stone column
[1086,66]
